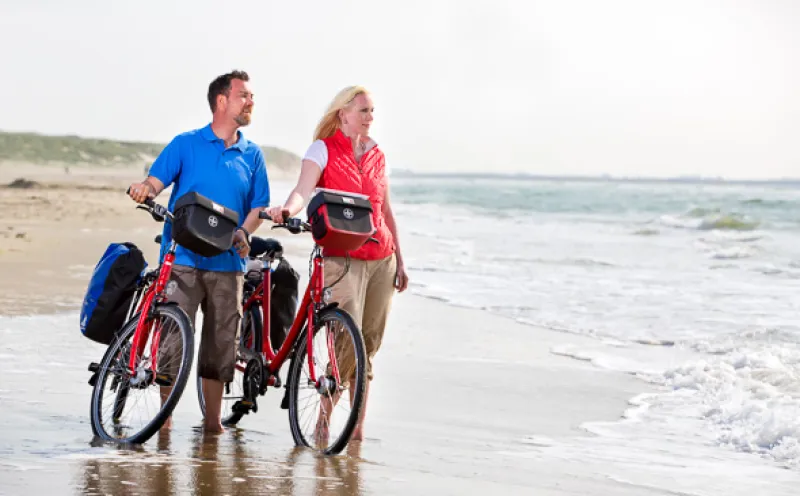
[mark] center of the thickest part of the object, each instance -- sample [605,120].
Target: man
[219,163]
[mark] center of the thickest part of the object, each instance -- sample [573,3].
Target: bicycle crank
[252,383]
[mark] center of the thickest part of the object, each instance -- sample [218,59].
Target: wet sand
[445,417]
[463,402]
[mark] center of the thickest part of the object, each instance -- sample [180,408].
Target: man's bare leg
[212,392]
[165,392]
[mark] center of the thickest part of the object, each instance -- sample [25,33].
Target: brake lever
[158,212]
[294,225]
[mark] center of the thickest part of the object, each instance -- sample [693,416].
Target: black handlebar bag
[203,226]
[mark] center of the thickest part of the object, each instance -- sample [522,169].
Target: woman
[344,157]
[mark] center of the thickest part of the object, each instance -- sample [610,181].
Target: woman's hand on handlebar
[278,214]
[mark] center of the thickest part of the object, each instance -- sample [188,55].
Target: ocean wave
[731,222]
[764,203]
[746,397]
[707,219]
[646,232]
[751,397]
[731,253]
[574,261]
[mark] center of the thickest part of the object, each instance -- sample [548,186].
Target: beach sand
[463,402]
[53,233]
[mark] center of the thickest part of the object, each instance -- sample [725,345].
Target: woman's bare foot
[322,432]
[358,434]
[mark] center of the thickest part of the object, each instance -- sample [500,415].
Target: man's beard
[243,119]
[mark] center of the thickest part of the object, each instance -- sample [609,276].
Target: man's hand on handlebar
[159,212]
[140,192]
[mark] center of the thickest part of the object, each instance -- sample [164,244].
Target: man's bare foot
[358,434]
[213,428]
[167,425]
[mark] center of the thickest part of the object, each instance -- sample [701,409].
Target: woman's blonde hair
[330,121]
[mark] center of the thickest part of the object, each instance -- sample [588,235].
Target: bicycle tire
[254,314]
[96,414]
[294,380]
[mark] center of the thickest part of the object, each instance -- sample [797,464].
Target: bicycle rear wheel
[128,408]
[319,416]
[235,403]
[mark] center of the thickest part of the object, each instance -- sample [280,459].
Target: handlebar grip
[148,201]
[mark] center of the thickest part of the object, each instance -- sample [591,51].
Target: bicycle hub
[326,385]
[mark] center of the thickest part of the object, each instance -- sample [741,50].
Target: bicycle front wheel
[130,408]
[323,413]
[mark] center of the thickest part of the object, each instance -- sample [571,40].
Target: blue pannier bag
[110,291]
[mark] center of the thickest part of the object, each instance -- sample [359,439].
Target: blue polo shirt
[197,161]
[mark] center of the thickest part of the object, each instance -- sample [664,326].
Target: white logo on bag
[171,287]
[212,221]
[348,213]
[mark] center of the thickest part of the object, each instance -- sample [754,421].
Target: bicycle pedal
[285,400]
[94,366]
[93,379]
[163,380]
[244,407]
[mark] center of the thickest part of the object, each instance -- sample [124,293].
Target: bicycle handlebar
[159,212]
[292,224]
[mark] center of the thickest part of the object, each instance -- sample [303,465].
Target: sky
[621,87]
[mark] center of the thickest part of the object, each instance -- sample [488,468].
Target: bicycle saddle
[259,246]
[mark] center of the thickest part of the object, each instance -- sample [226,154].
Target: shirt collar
[209,135]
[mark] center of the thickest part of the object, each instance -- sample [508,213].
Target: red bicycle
[324,346]
[147,366]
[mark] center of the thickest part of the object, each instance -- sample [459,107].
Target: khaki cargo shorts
[219,296]
[365,293]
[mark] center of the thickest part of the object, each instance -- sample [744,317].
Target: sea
[691,286]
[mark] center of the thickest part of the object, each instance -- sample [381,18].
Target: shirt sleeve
[167,165]
[317,153]
[259,186]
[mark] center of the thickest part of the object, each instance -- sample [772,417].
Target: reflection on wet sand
[339,475]
[133,472]
[221,464]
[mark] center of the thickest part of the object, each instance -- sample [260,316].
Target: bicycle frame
[153,293]
[311,303]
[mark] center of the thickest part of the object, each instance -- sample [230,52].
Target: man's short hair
[222,86]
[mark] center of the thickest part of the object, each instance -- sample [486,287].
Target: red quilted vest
[366,177]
